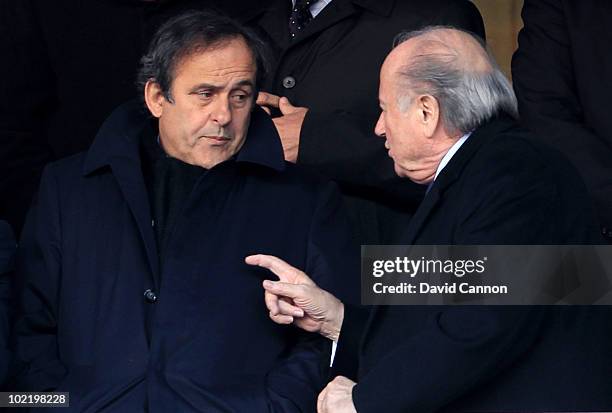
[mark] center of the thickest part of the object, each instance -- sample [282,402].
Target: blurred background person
[562,75]
[328,55]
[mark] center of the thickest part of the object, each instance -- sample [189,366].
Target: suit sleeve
[545,84]
[342,145]
[346,362]
[38,277]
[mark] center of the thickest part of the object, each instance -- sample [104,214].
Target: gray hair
[467,98]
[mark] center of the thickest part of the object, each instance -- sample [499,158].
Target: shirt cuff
[333,353]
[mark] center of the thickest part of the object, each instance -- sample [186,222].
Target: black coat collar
[119,136]
[453,171]
[117,145]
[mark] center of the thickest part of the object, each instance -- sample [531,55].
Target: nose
[379,129]
[221,111]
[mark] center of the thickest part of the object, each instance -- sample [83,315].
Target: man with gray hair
[448,120]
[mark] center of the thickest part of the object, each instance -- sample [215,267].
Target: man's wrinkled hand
[296,299]
[289,125]
[337,397]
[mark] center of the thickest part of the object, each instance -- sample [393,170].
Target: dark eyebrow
[204,86]
[215,88]
[245,82]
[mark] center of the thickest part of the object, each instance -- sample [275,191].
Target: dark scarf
[169,183]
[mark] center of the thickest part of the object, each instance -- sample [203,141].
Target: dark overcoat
[203,341]
[501,187]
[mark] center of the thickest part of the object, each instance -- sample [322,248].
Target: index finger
[267,99]
[284,271]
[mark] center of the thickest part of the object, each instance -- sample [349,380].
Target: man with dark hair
[448,122]
[53,51]
[127,246]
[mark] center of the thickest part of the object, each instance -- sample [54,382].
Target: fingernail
[268,283]
[298,313]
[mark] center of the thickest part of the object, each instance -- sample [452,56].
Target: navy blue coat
[89,252]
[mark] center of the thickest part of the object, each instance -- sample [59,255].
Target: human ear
[154,98]
[429,113]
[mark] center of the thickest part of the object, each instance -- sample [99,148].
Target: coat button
[289,82]
[150,296]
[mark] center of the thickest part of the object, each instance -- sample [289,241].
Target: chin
[417,178]
[400,172]
[423,181]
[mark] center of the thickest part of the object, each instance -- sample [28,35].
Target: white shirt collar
[451,152]
[317,7]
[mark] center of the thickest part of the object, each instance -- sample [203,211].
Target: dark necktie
[300,16]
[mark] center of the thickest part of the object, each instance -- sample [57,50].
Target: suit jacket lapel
[332,13]
[275,21]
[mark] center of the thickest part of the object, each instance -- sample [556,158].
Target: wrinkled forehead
[230,54]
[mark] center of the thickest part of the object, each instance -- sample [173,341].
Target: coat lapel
[330,15]
[274,21]
[338,10]
[128,173]
[447,177]
[451,173]
[117,145]
[421,214]
[414,227]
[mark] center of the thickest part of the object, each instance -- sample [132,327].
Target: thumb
[285,106]
[293,291]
